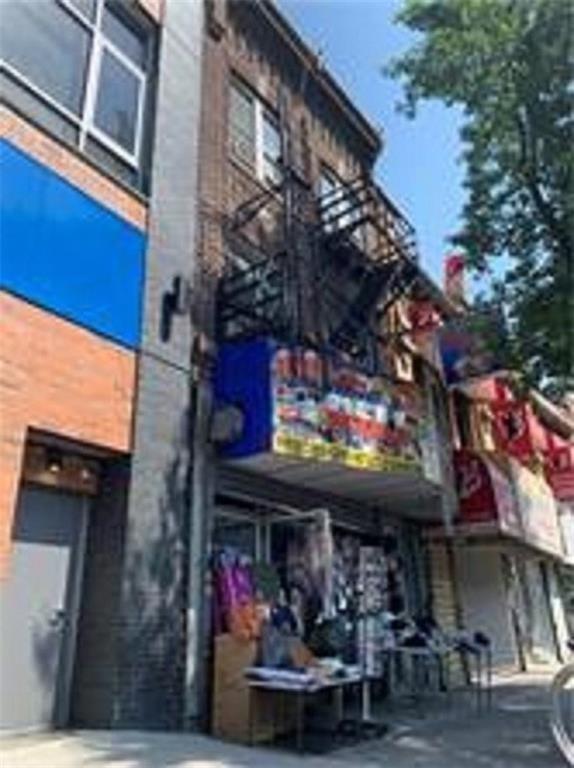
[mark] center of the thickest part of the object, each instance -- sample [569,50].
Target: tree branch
[529,162]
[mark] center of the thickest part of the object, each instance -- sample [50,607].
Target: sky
[419,166]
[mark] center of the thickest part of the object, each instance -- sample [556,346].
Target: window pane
[124,37]
[49,47]
[86,7]
[242,124]
[271,139]
[117,102]
[271,150]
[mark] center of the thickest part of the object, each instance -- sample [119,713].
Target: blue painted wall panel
[243,379]
[62,250]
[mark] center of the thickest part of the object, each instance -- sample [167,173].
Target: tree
[509,64]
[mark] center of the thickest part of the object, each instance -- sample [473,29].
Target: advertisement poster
[538,510]
[328,411]
[485,493]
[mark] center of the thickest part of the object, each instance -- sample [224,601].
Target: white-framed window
[88,61]
[254,135]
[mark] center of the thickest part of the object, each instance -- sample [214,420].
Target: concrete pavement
[513,734]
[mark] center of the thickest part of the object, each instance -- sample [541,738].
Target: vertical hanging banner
[559,467]
[538,510]
[485,493]
[426,320]
[454,277]
[511,427]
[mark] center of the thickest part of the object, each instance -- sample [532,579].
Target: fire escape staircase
[364,243]
[351,260]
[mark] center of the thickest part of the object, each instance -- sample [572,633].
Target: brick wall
[59,378]
[244,44]
[95,661]
[72,167]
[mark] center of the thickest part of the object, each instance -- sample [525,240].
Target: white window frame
[85,121]
[90,127]
[262,113]
[237,85]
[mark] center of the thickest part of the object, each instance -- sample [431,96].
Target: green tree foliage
[509,66]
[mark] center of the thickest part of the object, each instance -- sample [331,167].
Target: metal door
[38,609]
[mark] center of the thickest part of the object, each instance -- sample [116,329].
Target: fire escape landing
[344,259]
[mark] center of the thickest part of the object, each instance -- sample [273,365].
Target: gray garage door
[38,609]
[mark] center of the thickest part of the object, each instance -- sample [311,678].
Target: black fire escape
[343,259]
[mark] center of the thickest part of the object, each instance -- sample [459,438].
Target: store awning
[409,496]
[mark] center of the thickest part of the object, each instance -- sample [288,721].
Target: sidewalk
[514,734]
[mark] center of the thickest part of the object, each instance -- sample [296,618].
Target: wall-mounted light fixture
[54,461]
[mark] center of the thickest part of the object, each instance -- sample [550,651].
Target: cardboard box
[233,700]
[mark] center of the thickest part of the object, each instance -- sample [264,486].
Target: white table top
[311,686]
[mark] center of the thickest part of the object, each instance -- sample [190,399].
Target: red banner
[485,493]
[512,434]
[559,467]
[477,501]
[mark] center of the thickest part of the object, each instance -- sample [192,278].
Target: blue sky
[418,167]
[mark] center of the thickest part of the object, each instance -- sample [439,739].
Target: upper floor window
[254,134]
[88,60]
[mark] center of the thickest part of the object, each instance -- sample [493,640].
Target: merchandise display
[327,611]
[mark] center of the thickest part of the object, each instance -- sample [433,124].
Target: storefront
[508,548]
[317,521]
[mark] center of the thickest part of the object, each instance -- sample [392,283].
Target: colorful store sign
[298,403]
[327,411]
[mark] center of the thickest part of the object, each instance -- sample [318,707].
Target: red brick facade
[253,46]
[57,377]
